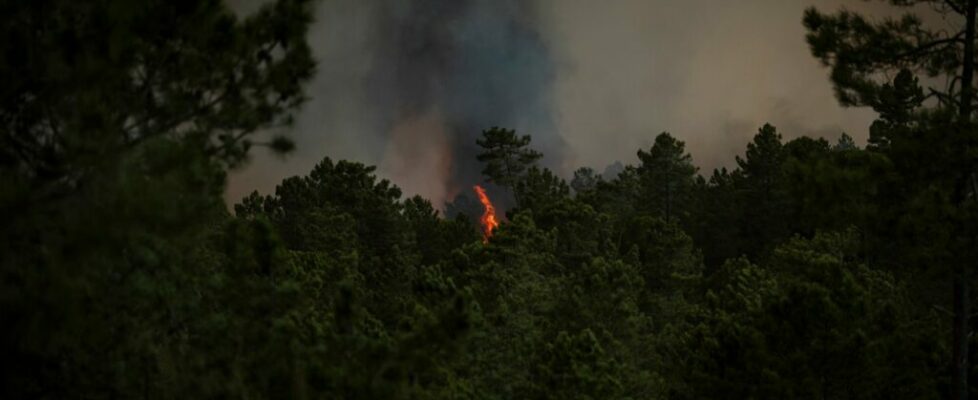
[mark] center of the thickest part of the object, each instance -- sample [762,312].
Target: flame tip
[488,219]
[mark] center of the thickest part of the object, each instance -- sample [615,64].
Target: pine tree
[861,51]
[507,157]
[115,137]
[667,175]
[765,204]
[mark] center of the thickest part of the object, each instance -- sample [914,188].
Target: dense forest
[812,269]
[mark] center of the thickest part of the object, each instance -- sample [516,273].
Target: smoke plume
[463,66]
[408,85]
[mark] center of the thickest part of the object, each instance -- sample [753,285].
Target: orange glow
[488,219]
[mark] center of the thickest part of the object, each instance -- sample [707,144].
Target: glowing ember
[488,219]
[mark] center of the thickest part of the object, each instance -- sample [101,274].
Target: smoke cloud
[409,85]
[461,67]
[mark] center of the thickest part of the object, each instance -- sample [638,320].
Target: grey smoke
[409,85]
[460,66]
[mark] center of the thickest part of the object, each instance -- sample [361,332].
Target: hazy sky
[592,81]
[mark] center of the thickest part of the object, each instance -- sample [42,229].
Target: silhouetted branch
[955,7]
[926,47]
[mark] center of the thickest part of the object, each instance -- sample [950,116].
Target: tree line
[809,270]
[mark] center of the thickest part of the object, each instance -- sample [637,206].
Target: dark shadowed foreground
[810,270]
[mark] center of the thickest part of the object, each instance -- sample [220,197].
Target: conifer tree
[861,53]
[667,174]
[507,157]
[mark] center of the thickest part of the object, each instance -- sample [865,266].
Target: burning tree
[488,219]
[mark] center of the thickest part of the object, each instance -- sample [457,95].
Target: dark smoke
[408,85]
[460,67]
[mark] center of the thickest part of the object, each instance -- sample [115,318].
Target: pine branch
[926,48]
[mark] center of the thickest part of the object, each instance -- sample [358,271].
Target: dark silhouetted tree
[584,180]
[507,157]
[862,53]
[667,176]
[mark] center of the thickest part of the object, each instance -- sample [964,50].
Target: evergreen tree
[584,180]
[810,270]
[507,157]
[115,137]
[765,216]
[540,189]
[667,174]
[859,52]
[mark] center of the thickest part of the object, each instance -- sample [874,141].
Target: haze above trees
[810,270]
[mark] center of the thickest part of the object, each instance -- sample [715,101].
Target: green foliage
[809,270]
[790,332]
[667,175]
[752,202]
[575,367]
[540,189]
[96,79]
[585,180]
[932,148]
[859,48]
[507,157]
[115,136]
[765,216]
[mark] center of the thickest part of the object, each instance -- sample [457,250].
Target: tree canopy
[809,269]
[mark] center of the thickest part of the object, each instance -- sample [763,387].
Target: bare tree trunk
[962,297]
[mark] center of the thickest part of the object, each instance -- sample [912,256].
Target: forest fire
[488,218]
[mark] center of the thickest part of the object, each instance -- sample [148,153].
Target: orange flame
[488,219]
